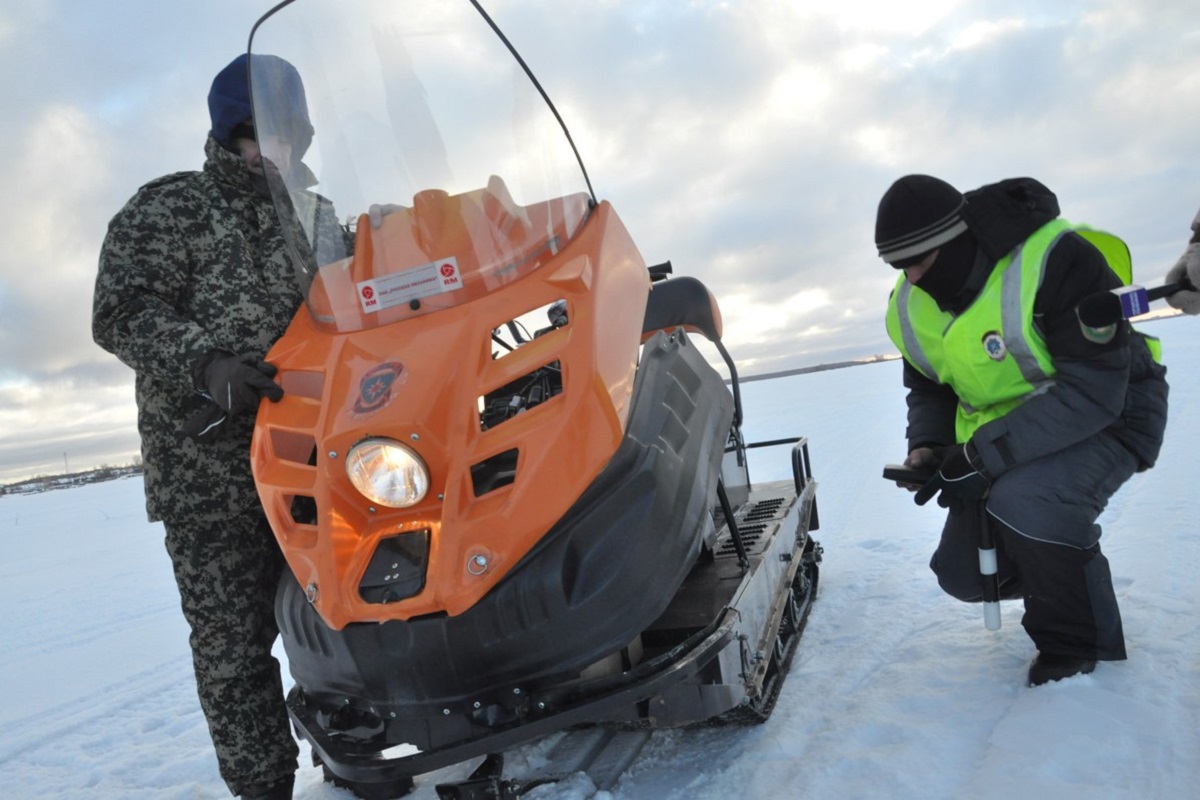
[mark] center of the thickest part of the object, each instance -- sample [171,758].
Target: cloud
[747,142]
[50,228]
[52,421]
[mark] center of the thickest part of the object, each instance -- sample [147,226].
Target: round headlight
[387,473]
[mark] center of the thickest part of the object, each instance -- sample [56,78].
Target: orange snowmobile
[511,490]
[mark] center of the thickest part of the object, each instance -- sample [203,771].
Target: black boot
[280,790]
[1053,667]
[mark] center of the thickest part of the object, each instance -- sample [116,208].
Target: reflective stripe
[1012,316]
[912,345]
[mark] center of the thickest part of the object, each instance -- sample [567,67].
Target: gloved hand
[377,211]
[1188,266]
[922,458]
[961,478]
[234,384]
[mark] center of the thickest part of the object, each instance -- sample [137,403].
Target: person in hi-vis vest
[1031,419]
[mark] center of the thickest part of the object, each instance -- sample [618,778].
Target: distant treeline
[819,368]
[44,483]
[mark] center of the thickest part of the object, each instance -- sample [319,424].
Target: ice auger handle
[989,571]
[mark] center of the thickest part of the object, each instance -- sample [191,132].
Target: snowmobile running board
[744,624]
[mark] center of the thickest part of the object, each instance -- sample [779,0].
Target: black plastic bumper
[603,574]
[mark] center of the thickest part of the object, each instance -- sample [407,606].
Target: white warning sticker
[433,278]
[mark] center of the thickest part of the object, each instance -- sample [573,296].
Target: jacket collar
[229,170]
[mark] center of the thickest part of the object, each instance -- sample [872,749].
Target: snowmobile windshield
[413,164]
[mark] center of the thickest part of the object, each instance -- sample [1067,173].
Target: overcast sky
[748,142]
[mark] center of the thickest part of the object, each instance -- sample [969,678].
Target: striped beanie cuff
[923,240]
[919,213]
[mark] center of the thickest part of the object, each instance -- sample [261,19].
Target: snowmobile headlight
[387,473]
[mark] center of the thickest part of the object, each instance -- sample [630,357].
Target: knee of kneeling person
[964,588]
[959,584]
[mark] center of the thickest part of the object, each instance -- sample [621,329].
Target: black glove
[961,478]
[234,385]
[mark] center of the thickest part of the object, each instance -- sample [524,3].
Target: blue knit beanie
[229,100]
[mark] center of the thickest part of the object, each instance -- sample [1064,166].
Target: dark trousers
[227,575]
[1043,515]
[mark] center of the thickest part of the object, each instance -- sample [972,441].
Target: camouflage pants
[227,575]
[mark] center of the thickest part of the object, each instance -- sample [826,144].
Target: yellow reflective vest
[991,354]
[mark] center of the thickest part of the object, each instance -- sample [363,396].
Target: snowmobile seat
[682,301]
[686,302]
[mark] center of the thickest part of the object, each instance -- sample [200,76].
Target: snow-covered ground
[897,691]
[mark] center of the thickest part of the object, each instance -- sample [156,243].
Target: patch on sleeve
[1102,335]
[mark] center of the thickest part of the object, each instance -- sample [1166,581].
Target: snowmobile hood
[434,427]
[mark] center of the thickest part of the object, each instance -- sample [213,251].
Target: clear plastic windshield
[413,164]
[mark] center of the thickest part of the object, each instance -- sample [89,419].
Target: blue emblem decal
[375,389]
[993,344]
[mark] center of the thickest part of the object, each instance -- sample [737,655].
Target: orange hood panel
[439,366]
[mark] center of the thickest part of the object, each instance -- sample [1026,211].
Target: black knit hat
[917,214]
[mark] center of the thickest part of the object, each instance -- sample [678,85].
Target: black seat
[682,301]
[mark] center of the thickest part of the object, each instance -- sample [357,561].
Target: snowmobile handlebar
[659,272]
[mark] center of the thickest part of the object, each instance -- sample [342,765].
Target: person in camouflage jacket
[194,286]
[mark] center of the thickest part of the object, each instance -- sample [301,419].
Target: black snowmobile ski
[602,754]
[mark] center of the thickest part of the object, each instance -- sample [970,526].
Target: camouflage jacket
[194,261]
